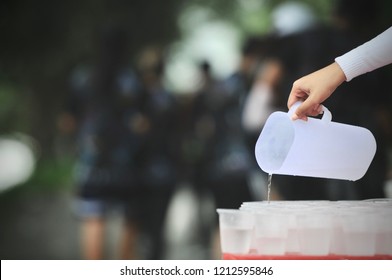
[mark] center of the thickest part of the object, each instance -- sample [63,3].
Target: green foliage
[13,109]
[9,103]
[50,175]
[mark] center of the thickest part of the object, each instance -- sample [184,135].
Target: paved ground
[38,226]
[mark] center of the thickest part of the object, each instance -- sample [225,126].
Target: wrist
[337,74]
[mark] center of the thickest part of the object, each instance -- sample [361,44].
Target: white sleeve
[367,57]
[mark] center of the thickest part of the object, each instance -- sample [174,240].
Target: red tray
[227,256]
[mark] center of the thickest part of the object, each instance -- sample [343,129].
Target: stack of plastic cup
[308,229]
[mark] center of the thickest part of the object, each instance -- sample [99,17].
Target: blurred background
[124,124]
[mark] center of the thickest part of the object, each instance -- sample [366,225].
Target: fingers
[299,115]
[292,99]
[307,108]
[296,94]
[299,94]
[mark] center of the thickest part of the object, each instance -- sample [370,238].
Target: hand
[314,89]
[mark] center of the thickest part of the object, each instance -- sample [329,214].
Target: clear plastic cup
[381,209]
[292,210]
[271,229]
[314,232]
[384,231]
[359,232]
[236,229]
[292,243]
[337,246]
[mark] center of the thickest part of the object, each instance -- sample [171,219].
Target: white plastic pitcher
[314,148]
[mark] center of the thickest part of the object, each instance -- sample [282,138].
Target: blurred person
[158,163]
[258,105]
[254,84]
[259,102]
[224,162]
[240,81]
[259,99]
[104,110]
[306,51]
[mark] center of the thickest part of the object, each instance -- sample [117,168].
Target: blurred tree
[42,40]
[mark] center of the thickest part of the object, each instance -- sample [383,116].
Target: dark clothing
[158,160]
[108,147]
[157,165]
[225,161]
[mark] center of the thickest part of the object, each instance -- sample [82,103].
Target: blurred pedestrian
[104,106]
[223,168]
[158,165]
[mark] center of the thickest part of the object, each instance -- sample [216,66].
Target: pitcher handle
[327,116]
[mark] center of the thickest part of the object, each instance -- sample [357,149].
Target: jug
[314,148]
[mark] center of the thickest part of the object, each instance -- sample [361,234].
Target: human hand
[314,89]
